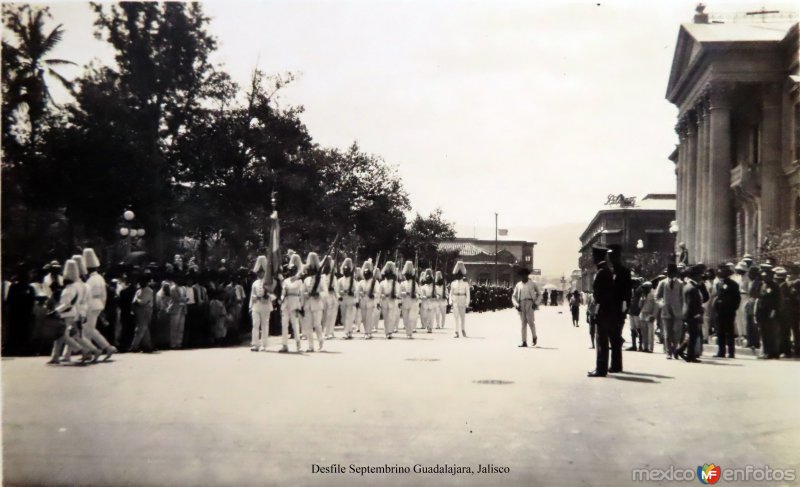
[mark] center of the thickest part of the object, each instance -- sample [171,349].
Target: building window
[527,258]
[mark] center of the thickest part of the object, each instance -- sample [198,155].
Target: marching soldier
[390,299]
[459,297]
[358,318]
[766,311]
[292,303]
[440,300]
[348,297]
[331,299]
[67,311]
[525,298]
[427,304]
[410,299]
[96,302]
[315,293]
[370,293]
[261,298]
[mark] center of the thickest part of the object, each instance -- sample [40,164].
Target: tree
[26,68]
[163,77]
[422,237]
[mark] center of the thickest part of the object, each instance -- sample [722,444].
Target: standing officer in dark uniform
[692,312]
[766,313]
[790,311]
[603,290]
[621,296]
[726,304]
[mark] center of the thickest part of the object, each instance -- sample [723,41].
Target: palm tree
[25,65]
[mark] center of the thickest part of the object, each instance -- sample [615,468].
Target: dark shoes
[534,341]
[631,349]
[595,373]
[615,371]
[523,345]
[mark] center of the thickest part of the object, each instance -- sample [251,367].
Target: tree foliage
[168,134]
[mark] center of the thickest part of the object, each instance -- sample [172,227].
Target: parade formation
[143,308]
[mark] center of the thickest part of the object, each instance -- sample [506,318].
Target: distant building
[642,229]
[736,84]
[479,258]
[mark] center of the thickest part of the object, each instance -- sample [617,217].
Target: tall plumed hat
[296,261]
[389,267]
[367,265]
[347,264]
[90,258]
[408,267]
[438,275]
[312,260]
[78,258]
[71,271]
[261,264]
[460,267]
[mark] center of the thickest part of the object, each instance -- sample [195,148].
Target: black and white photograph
[400,242]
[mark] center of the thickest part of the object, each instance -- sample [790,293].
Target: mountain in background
[557,247]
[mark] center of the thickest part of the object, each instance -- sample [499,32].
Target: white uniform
[427,306]
[291,304]
[95,304]
[370,295]
[331,306]
[313,307]
[524,297]
[410,294]
[68,311]
[260,308]
[348,298]
[390,306]
[459,300]
[440,304]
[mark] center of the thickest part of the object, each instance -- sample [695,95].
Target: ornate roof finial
[700,17]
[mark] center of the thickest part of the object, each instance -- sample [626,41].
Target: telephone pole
[495,249]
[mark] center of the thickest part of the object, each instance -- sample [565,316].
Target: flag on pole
[502,232]
[274,247]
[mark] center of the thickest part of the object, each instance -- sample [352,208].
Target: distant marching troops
[309,298]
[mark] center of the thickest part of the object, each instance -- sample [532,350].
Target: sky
[535,110]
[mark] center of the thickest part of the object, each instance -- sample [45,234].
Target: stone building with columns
[737,89]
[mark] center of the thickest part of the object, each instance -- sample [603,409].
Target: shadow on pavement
[537,347]
[642,374]
[643,380]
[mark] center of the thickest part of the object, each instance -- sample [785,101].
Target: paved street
[233,417]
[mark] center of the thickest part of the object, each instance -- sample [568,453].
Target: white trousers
[90,330]
[460,314]
[290,317]
[369,316]
[348,310]
[528,319]
[260,330]
[312,323]
[329,312]
[410,312]
[391,315]
[440,312]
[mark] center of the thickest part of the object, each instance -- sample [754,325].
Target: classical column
[680,171]
[690,183]
[698,203]
[720,202]
[771,190]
